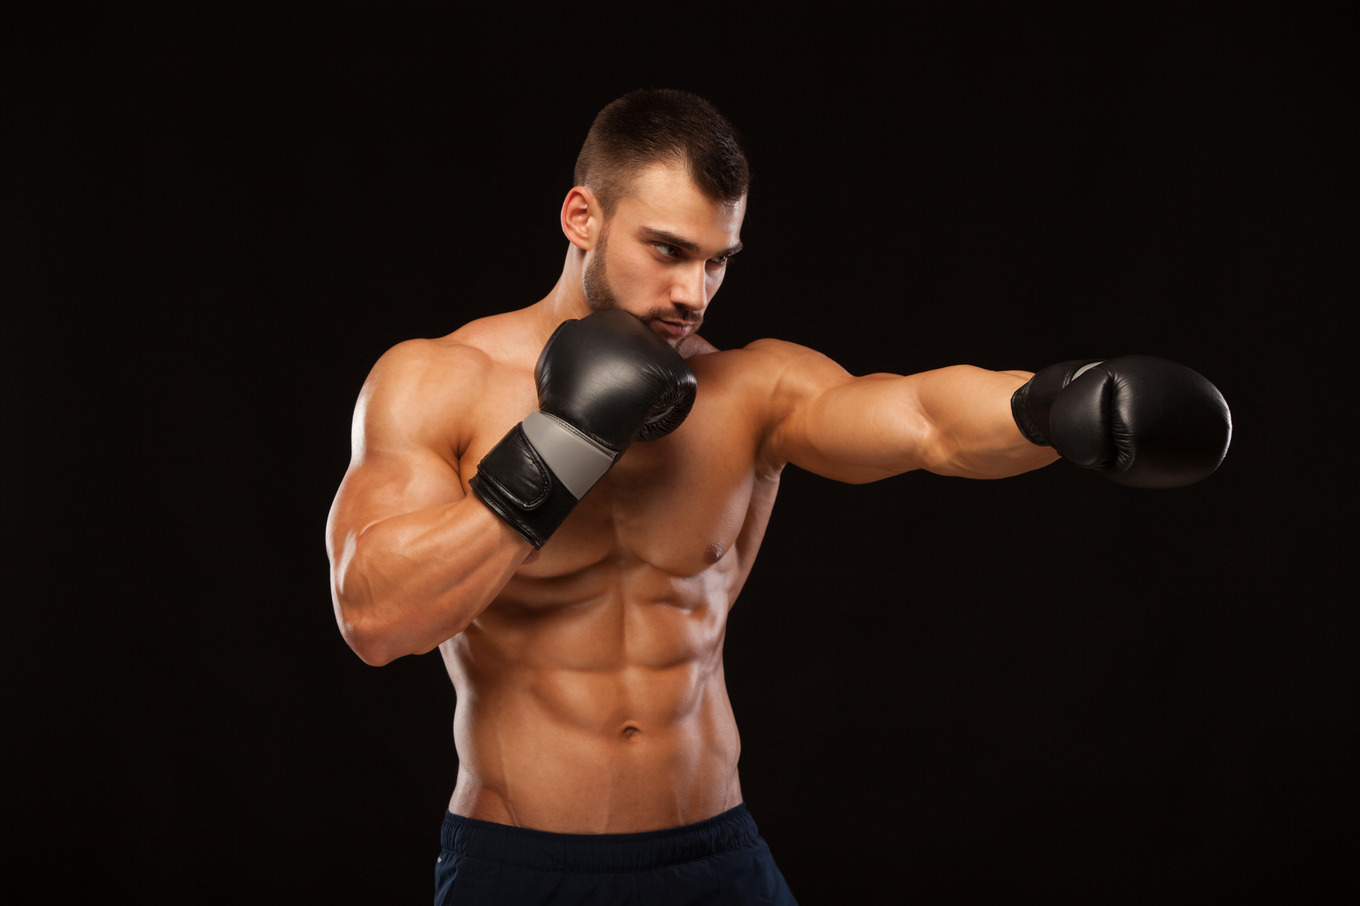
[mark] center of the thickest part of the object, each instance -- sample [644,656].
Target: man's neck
[566,300]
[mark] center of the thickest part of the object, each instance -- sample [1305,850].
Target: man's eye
[669,251]
[720,261]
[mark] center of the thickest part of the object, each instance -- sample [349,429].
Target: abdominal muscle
[595,702]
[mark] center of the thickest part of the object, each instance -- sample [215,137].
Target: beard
[600,296]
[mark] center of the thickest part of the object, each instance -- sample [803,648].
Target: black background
[1045,689]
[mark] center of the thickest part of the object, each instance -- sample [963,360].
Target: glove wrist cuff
[1023,421]
[517,485]
[535,476]
[1032,404]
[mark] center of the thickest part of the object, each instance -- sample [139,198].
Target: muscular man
[566,500]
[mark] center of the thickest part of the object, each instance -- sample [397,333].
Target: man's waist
[610,852]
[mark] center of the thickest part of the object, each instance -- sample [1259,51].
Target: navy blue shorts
[721,860]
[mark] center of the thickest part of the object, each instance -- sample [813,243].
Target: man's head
[661,126]
[657,209]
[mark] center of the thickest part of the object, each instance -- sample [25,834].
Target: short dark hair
[655,125]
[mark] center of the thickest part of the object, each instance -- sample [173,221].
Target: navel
[631,731]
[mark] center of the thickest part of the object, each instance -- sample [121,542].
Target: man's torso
[591,695]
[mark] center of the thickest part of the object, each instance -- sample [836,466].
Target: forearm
[405,584]
[970,430]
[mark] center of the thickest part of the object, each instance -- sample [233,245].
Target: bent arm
[950,421]
[414,559]
[404,583]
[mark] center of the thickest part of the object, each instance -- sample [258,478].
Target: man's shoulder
[426,392]
[424,370]
[759,359]
[472,351]
[437,379]
[770,379]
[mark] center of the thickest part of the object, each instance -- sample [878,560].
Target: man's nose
[690,289]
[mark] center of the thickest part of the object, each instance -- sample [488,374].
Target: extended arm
[1138,420]
[951,421]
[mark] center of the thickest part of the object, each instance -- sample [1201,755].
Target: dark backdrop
[1049,688]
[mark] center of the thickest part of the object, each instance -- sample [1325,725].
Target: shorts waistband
[730,830]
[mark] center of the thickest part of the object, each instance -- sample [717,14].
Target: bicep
[388,483]
[403,456]
[852,429]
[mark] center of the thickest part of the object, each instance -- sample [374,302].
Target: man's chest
[683,503]
[680,502]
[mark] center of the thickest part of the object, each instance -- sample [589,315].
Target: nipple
[714,552]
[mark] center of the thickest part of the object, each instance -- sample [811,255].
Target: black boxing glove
[1140,420]
[603,382]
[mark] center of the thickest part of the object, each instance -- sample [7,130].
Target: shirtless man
[578,596]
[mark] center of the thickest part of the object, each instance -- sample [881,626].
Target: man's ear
[582,218]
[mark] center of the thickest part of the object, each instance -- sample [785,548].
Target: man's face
[663,253]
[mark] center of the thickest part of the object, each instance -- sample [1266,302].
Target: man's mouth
[673,329]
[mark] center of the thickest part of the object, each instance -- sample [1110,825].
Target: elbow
[364,622]
[379,638]
[372,643]
[370,628]
[383,619]
[374,655]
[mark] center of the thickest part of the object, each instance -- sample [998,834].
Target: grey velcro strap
[576,460]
